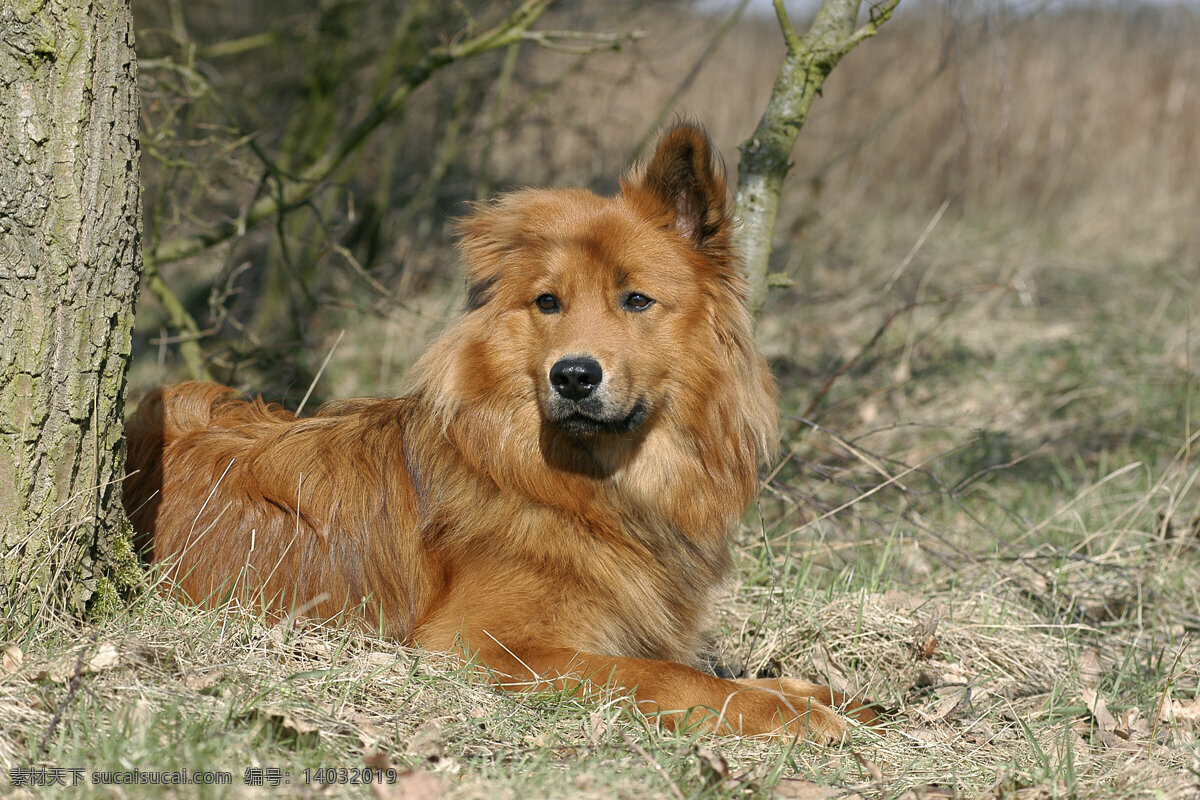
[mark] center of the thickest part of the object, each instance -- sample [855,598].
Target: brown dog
[553,496]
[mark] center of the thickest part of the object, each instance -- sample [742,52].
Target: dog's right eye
[546,303]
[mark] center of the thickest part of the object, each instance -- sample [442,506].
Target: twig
[71,688]
[181,320]
[297,191]
[649,759]
[866,348]
[593,42]
[912,253]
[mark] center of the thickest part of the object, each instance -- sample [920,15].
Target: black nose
[574,378]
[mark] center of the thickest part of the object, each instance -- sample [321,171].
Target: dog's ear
[486,235]
[682,186]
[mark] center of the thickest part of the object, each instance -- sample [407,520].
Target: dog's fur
[558,532]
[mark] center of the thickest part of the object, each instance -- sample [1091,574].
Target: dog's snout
[576,377]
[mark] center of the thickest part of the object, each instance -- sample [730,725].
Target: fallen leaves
[1179,712]
[11,658]
[1177,724]
[409,784]
[87,661]
[282,724]
[1183,719]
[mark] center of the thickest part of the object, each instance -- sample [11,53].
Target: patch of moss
[123,581]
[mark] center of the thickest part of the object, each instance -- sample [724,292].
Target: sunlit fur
[467,515]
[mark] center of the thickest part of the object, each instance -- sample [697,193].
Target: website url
[75,776]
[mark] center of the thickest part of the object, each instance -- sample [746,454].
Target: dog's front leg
[678,695]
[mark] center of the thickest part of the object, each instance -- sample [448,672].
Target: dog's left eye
[546,303]
[636,302]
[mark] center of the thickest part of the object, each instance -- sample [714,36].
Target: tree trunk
[69,266]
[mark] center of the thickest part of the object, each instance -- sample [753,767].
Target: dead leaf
[925,647]
[1104,723]
[105,657]
[315,648]
[830,673]
[11,658]
[598,727]
[539,740]
[1089,668]
[1183,718]
[64,670]
[282,724]
[202,681]
[411,785]
[427,741]
[1181,713]
[380,659]
[901,601]
[951,700]
[362,727]
[713,767]
[799,789]
[1131,726]
[1096,706]
[924,642]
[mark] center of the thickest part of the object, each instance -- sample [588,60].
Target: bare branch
[713,43]
[297,191]
[588,43]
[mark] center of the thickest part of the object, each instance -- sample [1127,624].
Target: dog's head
[597,316]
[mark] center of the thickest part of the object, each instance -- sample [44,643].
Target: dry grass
[986,700]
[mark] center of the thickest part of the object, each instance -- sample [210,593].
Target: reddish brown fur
[462,516]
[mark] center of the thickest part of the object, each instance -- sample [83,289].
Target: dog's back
[255,493]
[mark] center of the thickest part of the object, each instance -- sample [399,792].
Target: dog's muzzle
[578,404]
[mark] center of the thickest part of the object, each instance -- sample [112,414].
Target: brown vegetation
[1076,128]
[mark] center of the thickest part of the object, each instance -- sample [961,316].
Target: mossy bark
[766,155]
[69,267]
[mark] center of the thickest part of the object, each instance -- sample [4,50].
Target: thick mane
[698,456]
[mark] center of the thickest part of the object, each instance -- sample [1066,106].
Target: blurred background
[1065,130]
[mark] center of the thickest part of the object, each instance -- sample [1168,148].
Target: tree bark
[766,155]
[69,268]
